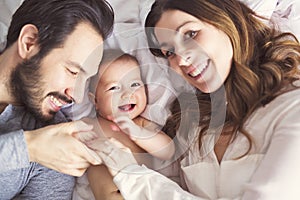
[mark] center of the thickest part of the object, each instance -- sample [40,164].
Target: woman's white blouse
[270,171]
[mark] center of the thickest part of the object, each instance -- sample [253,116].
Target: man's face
[58,79]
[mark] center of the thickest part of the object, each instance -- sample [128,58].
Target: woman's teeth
[196,72]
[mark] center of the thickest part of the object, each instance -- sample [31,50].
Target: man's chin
[45,116]
[49,116]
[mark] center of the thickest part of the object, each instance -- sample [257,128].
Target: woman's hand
[113,154]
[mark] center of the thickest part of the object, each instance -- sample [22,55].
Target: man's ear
[27,41]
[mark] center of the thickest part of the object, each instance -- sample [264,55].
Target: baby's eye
[190,35]
[73,73]
[114,88]
[136,84]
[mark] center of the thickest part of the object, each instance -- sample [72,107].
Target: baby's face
[120,89]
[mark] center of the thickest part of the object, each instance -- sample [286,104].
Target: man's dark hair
[56,19]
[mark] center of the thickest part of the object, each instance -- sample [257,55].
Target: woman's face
[198,51]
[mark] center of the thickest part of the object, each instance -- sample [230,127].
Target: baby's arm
[148,136]
[100,180]
[101,183]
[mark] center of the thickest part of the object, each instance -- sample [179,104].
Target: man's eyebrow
[76,65]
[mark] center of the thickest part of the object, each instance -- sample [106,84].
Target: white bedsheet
[129,36]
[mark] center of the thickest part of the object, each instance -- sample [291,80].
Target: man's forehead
[91,64]
[85,47]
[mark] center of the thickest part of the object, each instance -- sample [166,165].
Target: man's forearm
[13,151]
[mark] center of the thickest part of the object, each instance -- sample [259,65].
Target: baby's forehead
[120,64]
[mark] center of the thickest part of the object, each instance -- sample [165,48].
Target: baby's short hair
[110,56]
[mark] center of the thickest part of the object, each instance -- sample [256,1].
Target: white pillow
[7,8]
[129,36]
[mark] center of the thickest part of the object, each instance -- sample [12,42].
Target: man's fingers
[85,136]
[100,144]
[91,156]
[75,172]
[76,126]
[79,165]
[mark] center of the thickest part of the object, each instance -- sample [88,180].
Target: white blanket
[128,35]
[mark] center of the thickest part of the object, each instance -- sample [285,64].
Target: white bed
[128,35]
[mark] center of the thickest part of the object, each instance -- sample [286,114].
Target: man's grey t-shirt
[13,121]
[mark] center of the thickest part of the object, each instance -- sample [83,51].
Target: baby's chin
[130,115]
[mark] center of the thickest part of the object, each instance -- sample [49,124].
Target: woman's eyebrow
[184,23]
[177,30]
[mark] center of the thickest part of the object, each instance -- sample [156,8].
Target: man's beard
[27,87]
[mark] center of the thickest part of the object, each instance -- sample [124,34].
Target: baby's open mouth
[127,107]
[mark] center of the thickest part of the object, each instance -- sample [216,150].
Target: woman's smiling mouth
[198,71]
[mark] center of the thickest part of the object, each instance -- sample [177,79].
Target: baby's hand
[127,125]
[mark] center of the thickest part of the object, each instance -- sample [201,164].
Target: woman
[245,141]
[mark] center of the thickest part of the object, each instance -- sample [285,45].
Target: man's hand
[55,147]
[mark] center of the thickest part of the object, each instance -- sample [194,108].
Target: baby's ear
[92,98]
[146,91]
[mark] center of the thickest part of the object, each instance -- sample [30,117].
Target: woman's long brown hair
[264,62]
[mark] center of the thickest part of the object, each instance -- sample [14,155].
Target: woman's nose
[184,60]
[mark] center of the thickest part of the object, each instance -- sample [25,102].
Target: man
[52,48]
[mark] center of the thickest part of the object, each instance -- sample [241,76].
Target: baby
[120,98]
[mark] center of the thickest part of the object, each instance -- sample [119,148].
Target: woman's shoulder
[280,116]
[287,103]
[291,95]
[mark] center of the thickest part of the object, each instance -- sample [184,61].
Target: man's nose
[75,95]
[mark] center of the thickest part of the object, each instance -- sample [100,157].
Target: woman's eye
[190,35]
[168,53]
